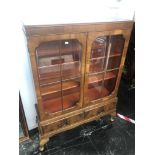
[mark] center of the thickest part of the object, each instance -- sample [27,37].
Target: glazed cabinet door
[104,53]
[60,61]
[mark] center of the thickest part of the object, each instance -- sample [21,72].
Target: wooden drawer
[55,125]
[79,117]
[63,123]
[99,110]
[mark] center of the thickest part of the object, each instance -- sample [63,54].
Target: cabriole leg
[42,142]
[113,115]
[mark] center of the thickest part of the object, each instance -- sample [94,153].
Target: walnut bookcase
[76,70]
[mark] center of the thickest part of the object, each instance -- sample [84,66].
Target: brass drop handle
[65,122]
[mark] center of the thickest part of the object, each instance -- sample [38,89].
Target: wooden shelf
[115,54]
[55,105]
[99,77]
[52,77]
[45,90]
[97,66]
[95,93]
[58,64]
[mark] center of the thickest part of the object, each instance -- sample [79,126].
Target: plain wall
[26,86]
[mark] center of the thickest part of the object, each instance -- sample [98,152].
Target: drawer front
[55,125]
[79,117]
[63,123]
[100,110]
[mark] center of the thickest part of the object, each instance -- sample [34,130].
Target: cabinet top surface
[37,30]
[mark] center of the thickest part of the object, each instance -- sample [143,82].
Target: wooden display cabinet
[76,70]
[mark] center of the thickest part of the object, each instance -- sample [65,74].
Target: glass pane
[99,47]
[51,96]
[49,74]
[49,69]
[98,54]
[48,59]
[114,62]
[71,52]
[71,93]
[71,72]
[117,45]
[104,65]
[98,84]
[95,86]
[59,68]
[109,83]
[97,67]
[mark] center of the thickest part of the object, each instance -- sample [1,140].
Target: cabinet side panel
[127,35]
[35,77]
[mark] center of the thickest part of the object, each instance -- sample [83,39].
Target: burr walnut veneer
[76,70]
